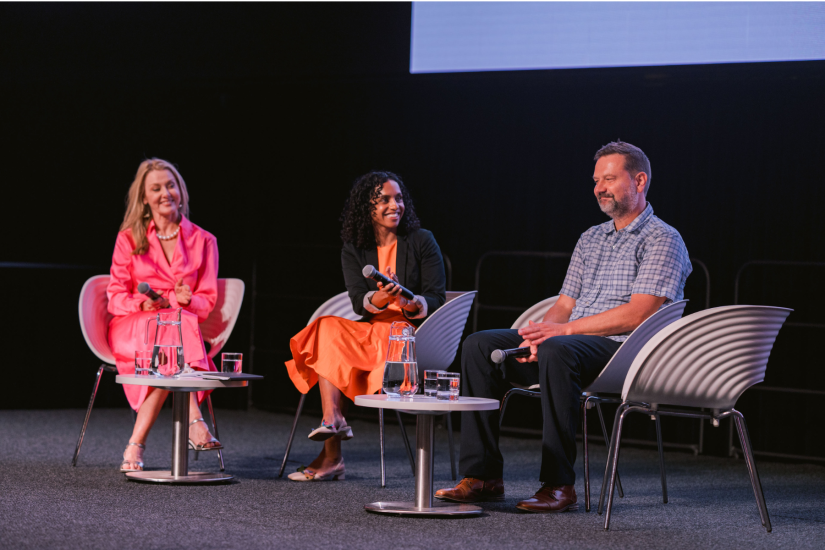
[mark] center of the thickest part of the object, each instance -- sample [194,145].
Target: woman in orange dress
[346,358]
[157,244]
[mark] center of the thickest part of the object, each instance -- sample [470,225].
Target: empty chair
[705,360]
[607,387]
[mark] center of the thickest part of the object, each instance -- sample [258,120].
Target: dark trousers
[566,364]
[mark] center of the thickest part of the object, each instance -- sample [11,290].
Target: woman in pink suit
[157,244]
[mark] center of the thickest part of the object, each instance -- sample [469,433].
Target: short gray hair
[635,160]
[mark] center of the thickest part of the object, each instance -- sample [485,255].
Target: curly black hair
[357,214]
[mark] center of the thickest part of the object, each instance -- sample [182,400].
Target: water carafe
[401,369]
[167,353]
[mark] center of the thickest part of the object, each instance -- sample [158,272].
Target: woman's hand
[152,305]
[391,294]
[183,293]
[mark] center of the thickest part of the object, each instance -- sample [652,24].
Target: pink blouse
[195,260]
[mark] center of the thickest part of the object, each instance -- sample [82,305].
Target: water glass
[143,363]
[448,385]
[431,382]
[231,362]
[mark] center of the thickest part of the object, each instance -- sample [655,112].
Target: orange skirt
[350,354]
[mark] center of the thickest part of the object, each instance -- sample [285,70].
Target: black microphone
[498,356]
[146,290]
[372,273]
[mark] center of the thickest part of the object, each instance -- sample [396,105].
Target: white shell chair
[436,343]
[705,360]
[94,323]
[217,329]
[608,385]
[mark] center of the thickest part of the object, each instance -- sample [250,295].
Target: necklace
[169,237]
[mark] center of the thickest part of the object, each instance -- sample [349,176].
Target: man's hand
[534,351]
[537,333]
[183,293]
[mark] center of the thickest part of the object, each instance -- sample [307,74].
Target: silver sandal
[201,448]
[137,463]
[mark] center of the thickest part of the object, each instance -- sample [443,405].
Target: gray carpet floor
[45,503]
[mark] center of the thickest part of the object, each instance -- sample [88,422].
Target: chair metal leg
[503,407]
[291,434]
[215,427]
[406,442]
[450,442]
[381,444]
[586,456]
[607,443]
[610,447]
[88,413]
[747,450]
[615,443]
[661,459]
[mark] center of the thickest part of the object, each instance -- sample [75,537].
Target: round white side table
[181,388]
[426,408]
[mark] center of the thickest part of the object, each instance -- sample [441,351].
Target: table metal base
[166,476]
[180,450]
[424,504]
[410,509]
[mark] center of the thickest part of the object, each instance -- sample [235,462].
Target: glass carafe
[167,353]
[401,369]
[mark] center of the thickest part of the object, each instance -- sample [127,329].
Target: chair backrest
[93,308]
[452,294]
[612,377]
[707,359]
[535,313]
[339,306]
[218,326]
[438,337]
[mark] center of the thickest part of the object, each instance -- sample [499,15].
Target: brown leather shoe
[551,499]
[471,489]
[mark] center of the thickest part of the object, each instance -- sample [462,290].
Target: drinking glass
[401,368]
[143,363]
[431,382]
[231,362]
[448,385]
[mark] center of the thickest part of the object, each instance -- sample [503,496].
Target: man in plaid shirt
[622,272]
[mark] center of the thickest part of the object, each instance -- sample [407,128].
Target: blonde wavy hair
[138,215]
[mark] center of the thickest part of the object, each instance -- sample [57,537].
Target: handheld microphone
[371,273]
[498,356]
[147,291]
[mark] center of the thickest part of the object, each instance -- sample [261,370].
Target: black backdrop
[271,111]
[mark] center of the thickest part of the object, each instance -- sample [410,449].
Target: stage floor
[45,503]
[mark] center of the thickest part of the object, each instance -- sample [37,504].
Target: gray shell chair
[703,361]
[94,323]
[436,342]
[607,387]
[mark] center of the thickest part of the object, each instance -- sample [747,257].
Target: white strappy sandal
[201,448]
[137,463]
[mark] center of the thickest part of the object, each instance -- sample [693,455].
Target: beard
[617,209]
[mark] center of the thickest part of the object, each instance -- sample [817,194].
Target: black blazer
[419,266]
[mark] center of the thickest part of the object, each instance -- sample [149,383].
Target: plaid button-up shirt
[646,257]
